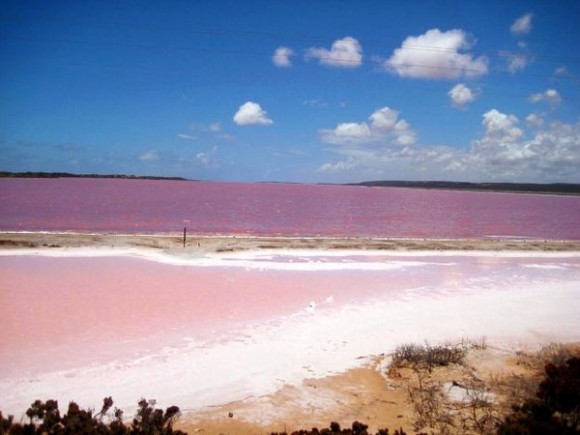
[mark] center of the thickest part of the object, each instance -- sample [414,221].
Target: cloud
[337,167]
[344,53]
[251,113]
[186,136]
[551,154]
[503,153]
[349,132]
[522,25]
[500,126]
[206,158]
[437,55]
[281,57]
[461,95]
[385,128]
[227,136]
[384,119]
[534,120]
[315,103]
[215,127]
[515,62]
[550,96]
[149,156]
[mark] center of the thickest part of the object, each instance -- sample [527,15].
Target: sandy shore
[197,245]
[283,333]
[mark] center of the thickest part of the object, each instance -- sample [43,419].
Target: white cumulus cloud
[351,131]
[515,62]
[461,95]
[499,126]
[384,128]
[550,96]
[344,53]
[437,55]
[522,25]
[251,113]
[384,119]
[502,153]
[281,57]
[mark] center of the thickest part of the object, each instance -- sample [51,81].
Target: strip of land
[199,245]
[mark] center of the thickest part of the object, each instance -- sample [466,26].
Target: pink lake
[137,206]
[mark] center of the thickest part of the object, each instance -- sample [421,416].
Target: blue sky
[298,91]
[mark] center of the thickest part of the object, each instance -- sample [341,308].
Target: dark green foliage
[556,410]
[45,419]
[357,428]
[561,387]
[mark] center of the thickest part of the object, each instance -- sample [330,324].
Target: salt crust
[291,259]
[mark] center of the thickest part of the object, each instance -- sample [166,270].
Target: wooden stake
[184,235]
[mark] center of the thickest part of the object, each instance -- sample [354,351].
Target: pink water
[58,313]
[134,206]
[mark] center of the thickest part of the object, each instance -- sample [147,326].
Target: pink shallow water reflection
[133,206]
[56,312]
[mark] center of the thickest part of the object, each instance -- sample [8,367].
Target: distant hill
[4,174]
[554,188]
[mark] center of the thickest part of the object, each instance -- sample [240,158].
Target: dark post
[184,235]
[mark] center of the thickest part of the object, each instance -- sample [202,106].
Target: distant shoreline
[200,245]
[537,188]
[5,174]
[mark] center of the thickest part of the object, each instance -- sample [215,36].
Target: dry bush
[478,415]
[555,353]
[416,356]
[428,402]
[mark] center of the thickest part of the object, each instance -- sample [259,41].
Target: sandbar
[203,244]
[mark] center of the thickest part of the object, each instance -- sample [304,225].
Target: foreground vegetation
[45,418]
[544,404]
[547,404]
